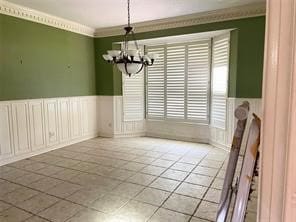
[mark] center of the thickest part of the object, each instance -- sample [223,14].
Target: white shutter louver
[178,86]
[133,90]
[220,63]
[155,84]
[133,97]
[198,74]
[175,82]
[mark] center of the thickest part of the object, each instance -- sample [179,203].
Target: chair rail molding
[277,195]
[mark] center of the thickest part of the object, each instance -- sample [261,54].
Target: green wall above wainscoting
[246,55]
[38,61]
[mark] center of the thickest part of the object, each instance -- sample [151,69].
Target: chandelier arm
[140,68]
[152,61]
[136,43]
[125,66]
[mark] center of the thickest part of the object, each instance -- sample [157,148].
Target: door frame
[277,190]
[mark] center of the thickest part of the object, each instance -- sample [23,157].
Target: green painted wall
[247,50]
[38,61]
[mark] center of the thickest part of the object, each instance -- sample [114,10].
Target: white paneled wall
[30,127]
[64,119]
[75,118]
[111,119]
[52,121]
[178,130]
[37,128]
[6,137]
[21,127]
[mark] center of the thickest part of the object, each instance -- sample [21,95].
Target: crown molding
[251,10]
[246,11]
[18,11]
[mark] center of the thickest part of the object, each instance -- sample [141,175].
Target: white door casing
[277,194]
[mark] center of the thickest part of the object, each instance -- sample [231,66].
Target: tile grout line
[104,176]
[176,189]
[206,193]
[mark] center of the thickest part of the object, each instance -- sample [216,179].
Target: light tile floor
[113,180]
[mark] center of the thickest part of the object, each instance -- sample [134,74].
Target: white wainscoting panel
[6,137]
[75,118]
[105,112]
[21,127]
[111,119]
[64,116]
[89,115]
[51,121]
[123,127]
[178,130]
[223,138]
[37,129]
[31,127]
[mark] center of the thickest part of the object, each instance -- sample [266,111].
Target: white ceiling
[107,13]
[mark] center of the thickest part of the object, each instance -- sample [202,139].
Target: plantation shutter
[198,78]
[220,66]
[175,82]
[133,91]
[133,97]
[156,84]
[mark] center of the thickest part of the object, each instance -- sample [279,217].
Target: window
[178,83]
[188,82]
[220,63]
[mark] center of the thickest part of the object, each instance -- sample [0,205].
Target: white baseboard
[181,138]
[126,135]
[45,150]
[220,146]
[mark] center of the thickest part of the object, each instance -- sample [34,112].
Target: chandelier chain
[128,13]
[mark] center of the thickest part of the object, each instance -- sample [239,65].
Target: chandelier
[129,61]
